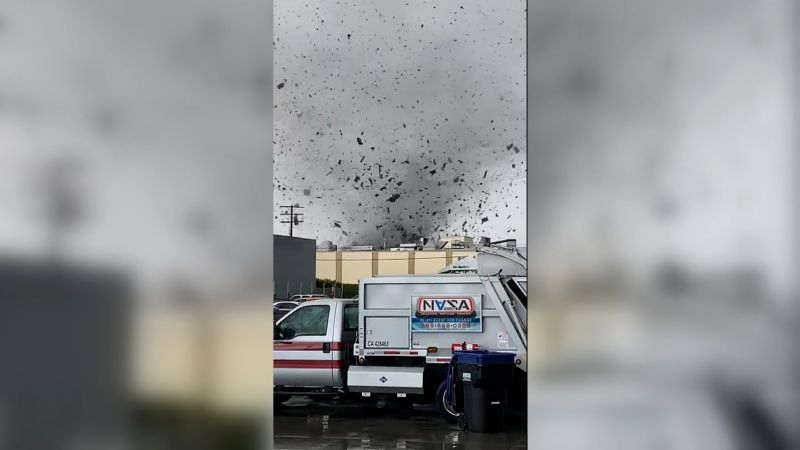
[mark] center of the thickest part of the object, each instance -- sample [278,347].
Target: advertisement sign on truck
[438,313]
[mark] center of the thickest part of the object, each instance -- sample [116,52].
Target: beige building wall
[165,358]
[241,359]
[356,265]
[326,265]
[429,262]
[393,263]
[220,358]
[348,267]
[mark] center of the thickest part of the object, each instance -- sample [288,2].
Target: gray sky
[400,119]
[663,135]
[166,107]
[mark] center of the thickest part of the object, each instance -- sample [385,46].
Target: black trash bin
[485,378]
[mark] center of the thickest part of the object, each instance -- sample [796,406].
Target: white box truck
[398,337]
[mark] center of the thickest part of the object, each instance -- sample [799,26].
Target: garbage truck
[398,337]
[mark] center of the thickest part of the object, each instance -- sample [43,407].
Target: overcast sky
[396,120]
[663,135]
[165,107]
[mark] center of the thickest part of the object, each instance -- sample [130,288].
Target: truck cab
[312,346]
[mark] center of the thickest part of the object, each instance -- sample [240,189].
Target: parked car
[306,297]
[281,308]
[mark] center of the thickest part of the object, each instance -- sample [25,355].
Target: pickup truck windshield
[306,321]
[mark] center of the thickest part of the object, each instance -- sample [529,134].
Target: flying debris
[438,189]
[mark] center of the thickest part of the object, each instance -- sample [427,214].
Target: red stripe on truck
[307,364]
[305,346]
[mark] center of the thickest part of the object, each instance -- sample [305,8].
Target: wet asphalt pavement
[303,423]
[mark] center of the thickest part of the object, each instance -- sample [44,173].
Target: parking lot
[305,423]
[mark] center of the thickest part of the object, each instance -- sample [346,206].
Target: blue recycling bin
[484,377]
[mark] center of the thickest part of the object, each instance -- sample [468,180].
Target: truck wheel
[443,407]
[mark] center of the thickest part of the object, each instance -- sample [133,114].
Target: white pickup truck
[397,339]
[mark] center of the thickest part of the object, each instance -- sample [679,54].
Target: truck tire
[443,407]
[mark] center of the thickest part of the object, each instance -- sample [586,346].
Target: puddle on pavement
[308,424]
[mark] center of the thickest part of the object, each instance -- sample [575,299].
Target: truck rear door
[303,346]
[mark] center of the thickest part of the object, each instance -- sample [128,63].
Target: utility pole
[64,206]
[293,217]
